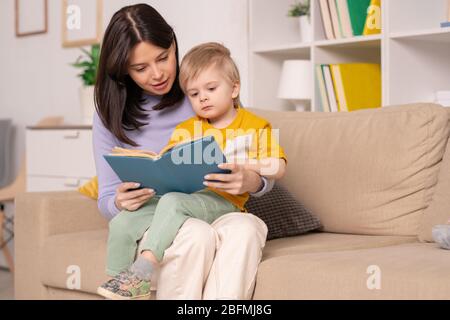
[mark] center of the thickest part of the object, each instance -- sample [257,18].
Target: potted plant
[301,9]
[88,63]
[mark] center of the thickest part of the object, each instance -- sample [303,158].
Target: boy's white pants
[217,261]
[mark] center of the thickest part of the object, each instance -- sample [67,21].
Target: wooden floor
[6,286]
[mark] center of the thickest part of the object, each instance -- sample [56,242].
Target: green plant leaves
[89,64]
[299,9]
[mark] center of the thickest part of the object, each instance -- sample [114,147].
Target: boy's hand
[239,181]
[129,199]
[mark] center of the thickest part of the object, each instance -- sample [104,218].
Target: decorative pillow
[369,172]
[282,213]
[90,188]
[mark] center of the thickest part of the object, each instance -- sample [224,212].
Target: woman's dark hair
[118,98]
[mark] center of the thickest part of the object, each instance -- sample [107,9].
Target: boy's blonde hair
[202,57]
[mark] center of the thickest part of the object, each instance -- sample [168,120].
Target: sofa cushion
[325,242]
[438,212]
[87,250]
[365,172]
[282,213]
[84,250]
[407,271]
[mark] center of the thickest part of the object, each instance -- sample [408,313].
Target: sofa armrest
[65,212]
[38,216]
[60,212]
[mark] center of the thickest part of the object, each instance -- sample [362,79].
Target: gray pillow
[282,213]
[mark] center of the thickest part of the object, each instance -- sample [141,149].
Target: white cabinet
[59,158]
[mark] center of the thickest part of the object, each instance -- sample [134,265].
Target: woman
[139,103]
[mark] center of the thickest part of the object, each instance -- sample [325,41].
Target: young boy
[210,79]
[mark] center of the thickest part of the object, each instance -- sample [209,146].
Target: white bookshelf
[414,52]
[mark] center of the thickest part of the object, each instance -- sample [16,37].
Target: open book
[177,168]
[117,151]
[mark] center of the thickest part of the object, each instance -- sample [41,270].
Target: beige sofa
[378,180]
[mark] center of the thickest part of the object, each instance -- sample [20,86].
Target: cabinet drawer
[43,184]
[65,153]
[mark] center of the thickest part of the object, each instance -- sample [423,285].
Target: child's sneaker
[125,286]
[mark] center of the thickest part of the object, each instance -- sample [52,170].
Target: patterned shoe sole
[110,295]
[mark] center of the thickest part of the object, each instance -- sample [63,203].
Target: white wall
[36,79]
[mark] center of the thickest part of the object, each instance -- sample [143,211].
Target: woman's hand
[131,200]
[239,181]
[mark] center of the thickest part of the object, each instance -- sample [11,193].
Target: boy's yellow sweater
[247,137]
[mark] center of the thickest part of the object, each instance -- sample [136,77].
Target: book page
[117,151]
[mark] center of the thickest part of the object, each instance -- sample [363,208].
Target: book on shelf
[326,19]
[348,18]
[358,15]
[324,105]
[329,88]
[318,106]
[335,19]
[338,87]
[357,85]
[177,168]
[344,18]
[373,19]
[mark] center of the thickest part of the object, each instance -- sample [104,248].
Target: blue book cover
[445,24]
[181,169]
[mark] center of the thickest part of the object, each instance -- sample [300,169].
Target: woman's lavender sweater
[153,136]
